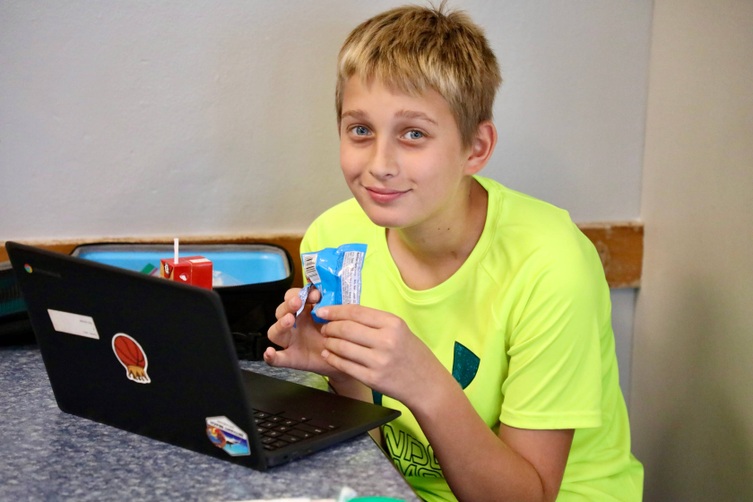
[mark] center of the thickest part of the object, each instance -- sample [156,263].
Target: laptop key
[309,429]
[300,434]
[295,416]
[321,425]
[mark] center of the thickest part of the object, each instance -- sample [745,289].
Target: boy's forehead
[392,85]
[356,87]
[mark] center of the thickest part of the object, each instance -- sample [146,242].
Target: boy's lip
[383,195]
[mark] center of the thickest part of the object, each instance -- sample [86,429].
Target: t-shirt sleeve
[554,353]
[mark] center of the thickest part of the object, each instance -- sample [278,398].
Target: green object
[148,269]
[11,301]
[375,499]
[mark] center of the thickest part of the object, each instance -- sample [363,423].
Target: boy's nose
[384,162]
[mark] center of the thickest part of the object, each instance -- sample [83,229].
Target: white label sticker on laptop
[73,324]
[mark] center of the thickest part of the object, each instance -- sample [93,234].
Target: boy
[484,315]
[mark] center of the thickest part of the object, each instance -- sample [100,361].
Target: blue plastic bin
[251,279]
[234,265]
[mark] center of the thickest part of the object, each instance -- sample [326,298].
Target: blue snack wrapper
[336,273]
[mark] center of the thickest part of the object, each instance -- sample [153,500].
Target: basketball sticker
[227,436]
[132,357]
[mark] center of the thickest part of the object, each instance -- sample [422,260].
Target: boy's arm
[344,385]
[377,348]
[518,464]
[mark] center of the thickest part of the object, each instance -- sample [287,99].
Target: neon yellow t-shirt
[524,326]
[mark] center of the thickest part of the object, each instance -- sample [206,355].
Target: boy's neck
[429,255]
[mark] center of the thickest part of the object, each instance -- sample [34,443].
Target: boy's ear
[482,147]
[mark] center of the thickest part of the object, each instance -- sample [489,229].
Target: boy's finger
[281,328]
[352,312]
[284,308]
[291,293]
[314,296]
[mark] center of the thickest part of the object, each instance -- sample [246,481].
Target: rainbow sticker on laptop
[227,436]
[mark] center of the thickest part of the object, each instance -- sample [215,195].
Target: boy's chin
[392,216]
[380,219]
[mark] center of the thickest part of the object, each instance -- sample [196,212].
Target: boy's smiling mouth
[384,195]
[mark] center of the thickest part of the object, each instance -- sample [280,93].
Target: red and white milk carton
[195,270]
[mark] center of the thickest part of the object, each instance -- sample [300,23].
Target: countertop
[50,455]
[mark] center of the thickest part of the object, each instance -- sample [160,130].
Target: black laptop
[156,357]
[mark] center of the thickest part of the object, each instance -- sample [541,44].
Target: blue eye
[414,134]
[360,131]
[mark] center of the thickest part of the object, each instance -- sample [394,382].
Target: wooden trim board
[620,246]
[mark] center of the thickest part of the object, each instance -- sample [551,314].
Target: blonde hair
[413,49]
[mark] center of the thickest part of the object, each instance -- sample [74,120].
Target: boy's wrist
[340,380]
[345,385]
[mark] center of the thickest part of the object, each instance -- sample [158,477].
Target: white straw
[175,251]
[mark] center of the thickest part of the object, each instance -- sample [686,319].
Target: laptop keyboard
[281,429]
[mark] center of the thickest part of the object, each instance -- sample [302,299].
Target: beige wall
[692,383]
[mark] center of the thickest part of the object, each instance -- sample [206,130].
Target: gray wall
[692,391]
[204,117]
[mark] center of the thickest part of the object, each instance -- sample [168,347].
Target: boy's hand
[378,349]
[300,337]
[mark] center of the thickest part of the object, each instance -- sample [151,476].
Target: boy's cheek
[352,160]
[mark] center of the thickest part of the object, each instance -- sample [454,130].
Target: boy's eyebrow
[356,114]
[411,114]
[406,114]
